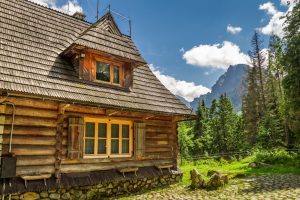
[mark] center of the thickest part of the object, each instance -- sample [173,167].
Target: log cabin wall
[35,137]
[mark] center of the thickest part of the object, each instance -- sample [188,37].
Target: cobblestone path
[264,187]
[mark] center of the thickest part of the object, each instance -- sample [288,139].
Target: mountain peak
[232,82]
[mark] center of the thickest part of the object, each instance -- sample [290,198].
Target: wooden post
[59,138]
[175,141]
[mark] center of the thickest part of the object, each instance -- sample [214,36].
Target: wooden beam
[110,112]
[177,118]
[62,108]
[146,117]
[2,109]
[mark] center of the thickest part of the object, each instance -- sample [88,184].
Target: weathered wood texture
[40,139]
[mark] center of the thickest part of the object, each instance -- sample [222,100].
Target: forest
[270,116]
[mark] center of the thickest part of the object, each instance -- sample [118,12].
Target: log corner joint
[62,108]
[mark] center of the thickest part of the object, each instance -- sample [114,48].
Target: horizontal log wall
[34,137]
[34,134]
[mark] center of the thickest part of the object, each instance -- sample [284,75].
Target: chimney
[79,15]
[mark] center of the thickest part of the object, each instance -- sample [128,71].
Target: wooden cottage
[79,106]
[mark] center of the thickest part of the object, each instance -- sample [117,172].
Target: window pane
[102,130]
[116,74]
[90,129]
[115,131]
[114,146]
[102,146]
[103,71]
[89,146]
[125,131]
[125,146]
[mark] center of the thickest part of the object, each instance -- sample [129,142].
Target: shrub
[275,156]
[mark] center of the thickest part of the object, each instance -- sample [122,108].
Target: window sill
[106,156]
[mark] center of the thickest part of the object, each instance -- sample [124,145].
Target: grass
[235,167]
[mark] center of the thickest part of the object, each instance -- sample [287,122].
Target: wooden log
[33,103]
[157,136]
[27,140]
[85,109]
[102,166]
[160,149]
[28,170]
[157,123]
[158,130]
[30,121]
[35,160]
[2,109]
[157,141]
[32,112]
[30,150]
[31,131]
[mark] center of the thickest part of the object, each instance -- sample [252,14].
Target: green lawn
[236,167]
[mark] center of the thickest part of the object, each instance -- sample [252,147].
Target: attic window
[109,72]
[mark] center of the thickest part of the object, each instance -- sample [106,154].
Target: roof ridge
[58,12]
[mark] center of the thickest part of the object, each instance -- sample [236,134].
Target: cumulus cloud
[276,22]
[70,7]
[186,90]
[218,56]
[233,30]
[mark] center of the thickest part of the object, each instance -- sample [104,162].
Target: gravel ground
[252,187]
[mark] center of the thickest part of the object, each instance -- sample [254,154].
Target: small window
[116,74]
[109,71]
[102,71]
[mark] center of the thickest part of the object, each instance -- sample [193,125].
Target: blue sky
[189,43]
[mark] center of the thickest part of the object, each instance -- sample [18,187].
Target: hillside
[232,82]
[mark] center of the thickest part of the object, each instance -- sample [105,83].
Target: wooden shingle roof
[33,37]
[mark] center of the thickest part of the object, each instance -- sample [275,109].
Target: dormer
[103,54]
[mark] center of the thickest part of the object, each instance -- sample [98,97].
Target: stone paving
[264,187]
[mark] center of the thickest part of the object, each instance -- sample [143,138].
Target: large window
[107,138]
[109,72]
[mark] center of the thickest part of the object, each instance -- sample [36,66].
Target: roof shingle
[32,38]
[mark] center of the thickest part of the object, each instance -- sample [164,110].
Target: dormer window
[108,71]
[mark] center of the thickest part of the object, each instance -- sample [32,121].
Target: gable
[107,23]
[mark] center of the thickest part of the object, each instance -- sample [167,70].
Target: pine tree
[250,107]
[291,81]
[271,127]
[257,60]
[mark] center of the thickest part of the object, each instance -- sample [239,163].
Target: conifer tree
[291,81]
[250,107]
[257,60]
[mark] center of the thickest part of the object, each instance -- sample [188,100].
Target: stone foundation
[107,189]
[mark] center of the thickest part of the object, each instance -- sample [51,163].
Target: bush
[275,156]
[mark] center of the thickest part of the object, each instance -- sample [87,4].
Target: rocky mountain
[232,82]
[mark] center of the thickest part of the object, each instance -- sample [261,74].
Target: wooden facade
[49,94]
[37,125]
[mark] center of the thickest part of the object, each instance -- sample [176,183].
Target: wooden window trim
[112,64]
[108,138]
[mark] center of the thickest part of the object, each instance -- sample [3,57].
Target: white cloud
[285,2]
[218,56]
[70,7]
[269,8]
[276,22]
[186,90]
[181,50]
[233,30]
